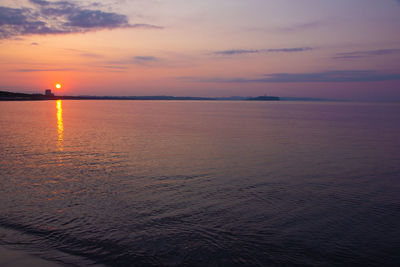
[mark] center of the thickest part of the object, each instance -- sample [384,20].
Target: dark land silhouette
[10,96]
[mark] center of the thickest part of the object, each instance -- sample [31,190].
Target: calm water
[141,183]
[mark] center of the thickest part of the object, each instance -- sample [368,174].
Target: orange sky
[346,49]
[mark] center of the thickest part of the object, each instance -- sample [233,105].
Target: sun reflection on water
[60,126]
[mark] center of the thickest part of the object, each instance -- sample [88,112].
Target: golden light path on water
[60,126]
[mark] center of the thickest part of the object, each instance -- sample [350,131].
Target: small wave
[93,250]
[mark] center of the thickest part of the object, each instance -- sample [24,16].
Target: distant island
[10,96]
[264,98]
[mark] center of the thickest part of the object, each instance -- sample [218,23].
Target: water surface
[195,183]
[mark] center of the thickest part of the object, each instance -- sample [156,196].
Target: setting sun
[58,86]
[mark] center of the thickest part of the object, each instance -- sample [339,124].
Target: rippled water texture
[141,183]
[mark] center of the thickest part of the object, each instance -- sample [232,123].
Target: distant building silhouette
[48,92]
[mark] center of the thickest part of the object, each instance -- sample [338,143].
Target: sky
[342,49]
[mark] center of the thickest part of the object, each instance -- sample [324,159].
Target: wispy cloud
[364,54]
[290,28]
[257,51]
[140,60]
[289,50]
[319,77]
[41,70]
[236,52]
[146,26]
[114,67]
[144,60]
[60,17]
[301,26]
[90,55]
[84,53]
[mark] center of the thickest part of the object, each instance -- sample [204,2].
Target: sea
[201,183]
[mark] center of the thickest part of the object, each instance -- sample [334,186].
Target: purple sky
[347,49]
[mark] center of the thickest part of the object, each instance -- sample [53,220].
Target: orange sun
[58,86]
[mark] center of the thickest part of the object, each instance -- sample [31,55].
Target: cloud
[320,77]
[114,67]
[291,28]
[91,55]
[40,70]
[301,27]
[146,26]
[110,68]
[60,17]
[144,60]
[365,54]
[34,43]
[236,52]
[84,53]
[96,19]
[141,60]
[39,2]
[107,67]
[289,50]
[252,51]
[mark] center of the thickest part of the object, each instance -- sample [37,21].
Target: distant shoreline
[10,96]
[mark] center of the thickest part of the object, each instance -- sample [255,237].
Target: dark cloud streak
[257,51]
[146,26]
[145,58]
[236,52]
[366,54]
[40,2]
[41,70]
[317,77]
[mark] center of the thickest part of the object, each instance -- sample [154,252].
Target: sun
[58,85]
